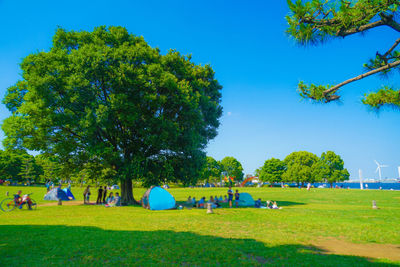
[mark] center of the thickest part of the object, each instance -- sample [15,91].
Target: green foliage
[107,96]
[385,96]
[300,166]
[232,167]
[272,171]
[315,21]
[316,92]
[211,171]
[18,165]
[329,168]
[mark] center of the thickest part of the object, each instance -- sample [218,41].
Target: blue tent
[246,200]
[55,194]
[69,193]
[157,198]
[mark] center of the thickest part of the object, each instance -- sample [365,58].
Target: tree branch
[391,49]
[362,76]
[361,28]
[388,20]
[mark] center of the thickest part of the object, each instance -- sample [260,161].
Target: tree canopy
[107,96]
[272,171]
[19,166]
[329,168]
[300,167]
[211,171]
[232,167]
[316,21]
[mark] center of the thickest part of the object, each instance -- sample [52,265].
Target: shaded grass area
[238,236]
[93,246]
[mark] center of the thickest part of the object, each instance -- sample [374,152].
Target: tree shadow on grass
[288,203]
[41,245]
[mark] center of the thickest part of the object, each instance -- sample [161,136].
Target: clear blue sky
[258,65]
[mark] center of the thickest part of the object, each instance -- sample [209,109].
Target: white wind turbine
[378,169]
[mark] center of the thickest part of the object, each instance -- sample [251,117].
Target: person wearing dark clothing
[237,195]
[105,195]
[99,196]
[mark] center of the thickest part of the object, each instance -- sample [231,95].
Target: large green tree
[315,21]
[330,168]
[232,167]
[211,171]
[300,166]
[272,171]
[108,95]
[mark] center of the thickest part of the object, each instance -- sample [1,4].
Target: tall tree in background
[232,167]
[18,165]
[211,171]
[300,166]
[316,21]
[108,95]
[329,168]
[272,171]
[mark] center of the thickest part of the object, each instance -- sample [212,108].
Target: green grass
[94,235]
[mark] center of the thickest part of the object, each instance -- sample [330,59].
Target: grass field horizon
[298,234]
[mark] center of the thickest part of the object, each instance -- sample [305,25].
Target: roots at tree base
[126,193]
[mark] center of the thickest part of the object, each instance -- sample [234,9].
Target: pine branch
[362,76]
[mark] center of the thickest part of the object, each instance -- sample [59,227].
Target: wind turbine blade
[377,169]
[376,162]
[384,165]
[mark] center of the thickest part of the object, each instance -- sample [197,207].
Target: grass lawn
[322,227]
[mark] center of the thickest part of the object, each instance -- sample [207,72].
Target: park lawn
[95,235]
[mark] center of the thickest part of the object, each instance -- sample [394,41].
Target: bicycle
[9,204]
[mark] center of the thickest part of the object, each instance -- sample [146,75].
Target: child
[237,195]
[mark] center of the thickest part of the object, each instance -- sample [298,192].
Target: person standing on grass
[230,196]
[99,196]
[237,195]
[86,195]
[105,195]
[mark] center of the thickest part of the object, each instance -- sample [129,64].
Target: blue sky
[258,65]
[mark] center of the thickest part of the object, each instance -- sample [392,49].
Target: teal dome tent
[157,198]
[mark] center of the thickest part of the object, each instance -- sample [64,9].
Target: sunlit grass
[133,235]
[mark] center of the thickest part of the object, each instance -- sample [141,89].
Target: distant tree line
[304,167]
[21,167]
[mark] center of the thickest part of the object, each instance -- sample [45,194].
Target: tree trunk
[126,192]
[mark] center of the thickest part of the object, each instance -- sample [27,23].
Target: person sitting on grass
[275,206]
[212,202]
[257,203]
[110,198]
[225,199]
[194,202]
[115,202]
[21,200]
[216,202]
[220,199]
[189,200]
[201,202]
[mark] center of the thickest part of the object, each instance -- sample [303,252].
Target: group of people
[214,201]
[102,199]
